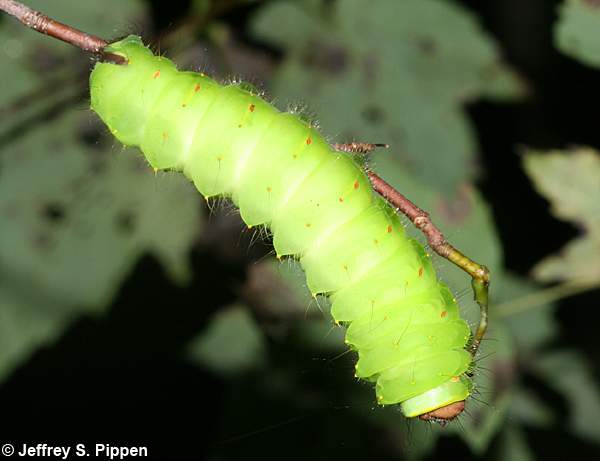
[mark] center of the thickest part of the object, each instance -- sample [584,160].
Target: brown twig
[48,26]
[422,221]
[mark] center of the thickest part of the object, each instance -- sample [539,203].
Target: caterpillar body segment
[320,207]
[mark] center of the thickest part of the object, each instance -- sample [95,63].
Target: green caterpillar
[320,207]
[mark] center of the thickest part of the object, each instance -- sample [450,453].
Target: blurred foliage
[568,372]
[569,180]
[232,342]
[398,71]
[576,32]
[77,211]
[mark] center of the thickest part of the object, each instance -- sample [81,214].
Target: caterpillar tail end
[444,414]
[440,404]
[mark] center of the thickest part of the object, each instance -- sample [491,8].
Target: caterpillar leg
[480,275]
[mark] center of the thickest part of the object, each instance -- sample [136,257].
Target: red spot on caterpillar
[421,271]
[251,108]
[389,229]
[308,141]
[196,88]
[444,314]
[356,184]
[156,74]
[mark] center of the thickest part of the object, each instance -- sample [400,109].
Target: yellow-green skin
[319,206]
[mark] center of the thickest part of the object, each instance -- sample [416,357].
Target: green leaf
[577,32]
[527,408]
[506,85]
[568,372]
[394,72]
[77,211]
[39,63]
[231,344]
[278,289]
[531,326]
[103,19]
[27,321]
[514,446]
[75,221]
[569,180]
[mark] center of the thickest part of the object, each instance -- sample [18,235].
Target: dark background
[94,385]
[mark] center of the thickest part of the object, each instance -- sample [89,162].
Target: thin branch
[48,26]
[422,221]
